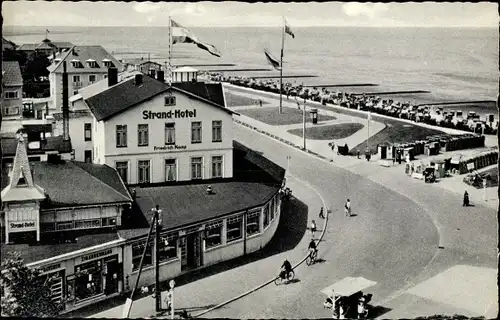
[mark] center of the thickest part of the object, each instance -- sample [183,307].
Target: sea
[454,64]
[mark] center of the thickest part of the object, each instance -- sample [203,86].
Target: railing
[77,84]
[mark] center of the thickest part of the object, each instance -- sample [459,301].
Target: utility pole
[304,124]
[157,219]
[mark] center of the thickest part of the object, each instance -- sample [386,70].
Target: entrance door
[112,276]
[88,156]
[191,255]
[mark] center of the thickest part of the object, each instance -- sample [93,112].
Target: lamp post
[157,220]
[304,123]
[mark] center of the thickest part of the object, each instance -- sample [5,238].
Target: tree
[36,66]
[25,292]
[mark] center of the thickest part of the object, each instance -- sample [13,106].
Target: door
[191,253]
[112,276]
[88,156]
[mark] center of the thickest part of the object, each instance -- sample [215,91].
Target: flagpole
[169,63]
[304,124]
[281,69]
[368,140]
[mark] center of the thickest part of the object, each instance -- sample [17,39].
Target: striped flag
[183,35]
[272,60]
[288,30]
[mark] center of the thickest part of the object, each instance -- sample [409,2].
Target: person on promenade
[333,145]
[313,229]
[260,103]
[321,213]
[466,199]
[358,153]
[347,208]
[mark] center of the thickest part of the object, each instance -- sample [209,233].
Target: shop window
[196,168]
[234,228]
[196,132]
[88,280]
[137,250]
[108,222]
[143,135]
[65,225]
[266,216]
[216,131]
[170,170]
[217,167]
[213,234]
[144,171]
[88,224]
[168,247]
[169,133]
[253,222]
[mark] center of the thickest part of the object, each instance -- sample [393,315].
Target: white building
[85,65]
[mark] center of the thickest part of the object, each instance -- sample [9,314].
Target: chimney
[65,106]
[138,79]
[160,75]
[112,76]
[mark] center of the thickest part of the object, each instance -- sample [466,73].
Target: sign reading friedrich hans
[146,115]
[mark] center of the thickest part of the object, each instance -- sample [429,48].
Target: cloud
[145,7]
[354,9]
[194,9]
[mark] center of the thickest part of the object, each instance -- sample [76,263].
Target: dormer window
[75,63]
[22,179]
[91,63]
[169,101]
[56,60]
[107,63]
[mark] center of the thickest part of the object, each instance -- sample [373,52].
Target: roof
[255,182]
[58,181]
[8,146]
[32,253]
[186,69]
[210,91]
[11,73]
[141,62]
[102,85]
[6,44]
[126,94]
[84,53]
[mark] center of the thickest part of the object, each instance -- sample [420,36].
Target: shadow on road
[378,311]
[291,229]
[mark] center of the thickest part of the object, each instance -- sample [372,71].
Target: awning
[348,286]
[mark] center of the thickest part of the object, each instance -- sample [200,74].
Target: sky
[241,14]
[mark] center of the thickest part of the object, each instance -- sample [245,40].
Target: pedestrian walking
[298,105]
[260,103]
[466,199]
[333,145]
[358,153]
[347,207]
[313,228]
[321,214]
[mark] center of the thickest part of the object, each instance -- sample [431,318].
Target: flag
[272,60]
[183,35]
[289,30]
[47,30]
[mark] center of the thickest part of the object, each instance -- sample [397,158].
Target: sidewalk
[205,293]
[361,166]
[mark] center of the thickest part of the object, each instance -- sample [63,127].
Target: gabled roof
[84,53]
[126,94]
[6,44]
[209,91]
[11,73]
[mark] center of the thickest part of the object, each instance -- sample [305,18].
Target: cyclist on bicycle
[286,268]
[312,248]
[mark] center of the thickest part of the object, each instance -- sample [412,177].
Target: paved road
[390,241]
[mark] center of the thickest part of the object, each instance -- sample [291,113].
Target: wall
[204,113]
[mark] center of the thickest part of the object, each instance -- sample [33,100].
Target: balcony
[77,85]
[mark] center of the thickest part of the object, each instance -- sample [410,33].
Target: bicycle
[289,277]
[311,258]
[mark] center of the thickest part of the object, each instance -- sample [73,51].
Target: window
[87,128]
[92,78]
[271,209]
[169,101]
[47,226]
[234,228]
[121,136]
[137,250]
[253,222]
[86,224]
[196,168]
[76,78]
[266,216]
[196,132]
[75,92]
[65,225]
[216,131]
[108,222]
[170,170]
[11,95]
[11,111]
[169,133]
[144,171]
[168,250]
[213,234]
[88,156]
[122,168]
[107,63]
[143,135]
[217,167]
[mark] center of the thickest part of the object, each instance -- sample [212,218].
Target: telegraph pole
[157,219]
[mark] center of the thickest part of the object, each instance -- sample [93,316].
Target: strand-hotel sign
[171,114]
